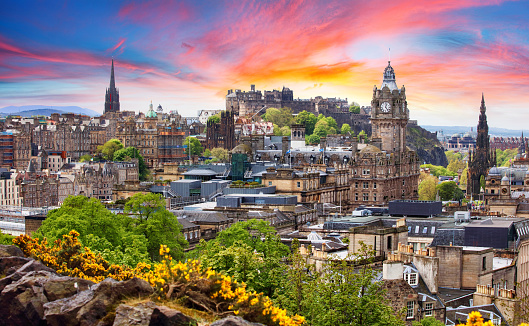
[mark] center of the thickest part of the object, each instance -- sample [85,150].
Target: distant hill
[493,131]
[30,110]
[426,145]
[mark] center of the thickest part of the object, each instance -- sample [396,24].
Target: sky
[185,55]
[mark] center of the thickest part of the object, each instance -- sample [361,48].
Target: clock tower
[389,114]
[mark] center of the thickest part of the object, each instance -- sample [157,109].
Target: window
[366,171]
[409,229]
[492,191]
[484,263]
[433,230]
[299,184]
[356,184]
[416,229]
[365,197]
[356,196]
[428,309]
[425,229]
[374,197]
[366,185]
[374,185]
[411,278]
[410,307]
[269,183]
[390,240]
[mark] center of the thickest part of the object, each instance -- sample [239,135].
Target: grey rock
[134,315]
[8,251]
[164,316]
[10,263]
[234,321]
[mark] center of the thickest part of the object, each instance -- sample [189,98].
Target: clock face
[385,107]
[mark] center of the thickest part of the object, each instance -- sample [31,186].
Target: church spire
[112,80]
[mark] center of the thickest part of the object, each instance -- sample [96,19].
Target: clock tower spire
[389,114]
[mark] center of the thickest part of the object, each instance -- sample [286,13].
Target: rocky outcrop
[33,294]
[427,146]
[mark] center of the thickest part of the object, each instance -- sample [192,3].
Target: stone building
[480,160]
[221,134]
[38,190]
[112,94]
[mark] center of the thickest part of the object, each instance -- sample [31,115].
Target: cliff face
[426,145]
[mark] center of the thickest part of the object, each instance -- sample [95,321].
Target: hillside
[426,145]
[46,110]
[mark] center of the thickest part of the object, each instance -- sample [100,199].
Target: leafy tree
[281,117]
[322,128]
[98,228]
[451,156]
[354,108]
[362,135]
[277,130]
[504,158]
[427,187]
[146,215]
[214,118]
[308,119]
[285,131]
[85,158]
[194,143]
[126,154]
[346,129]
[464,177]
[207,153]
[109,148]
[455,165]
[428,321]
[449,190]
[331,122]
[438,170]
[250,251]
[221,154]
[312,139]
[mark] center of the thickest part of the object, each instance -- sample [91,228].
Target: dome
[150,113]
[455,135]
[242,149]
[389,78]
[467,135]
[370,149]
[159,108]
[505,180]
[495,171]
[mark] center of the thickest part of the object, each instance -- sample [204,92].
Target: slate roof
[460,314]
[186,224]
[202,216]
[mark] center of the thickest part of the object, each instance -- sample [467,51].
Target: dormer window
[411,278]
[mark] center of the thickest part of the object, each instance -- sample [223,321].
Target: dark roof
[449,294]
[187,224]
[443,237]
[460,314]
[202,216]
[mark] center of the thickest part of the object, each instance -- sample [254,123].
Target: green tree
[308,119]
[281,117]
[145,214]
[455,165]
[285,131]
[504,158]
[99,229]
[250,251]
[85,158]
[221,154]
[354,109]
[109,148]
[428,187]
[428,321]
[346,129]
[312,139]
[449,190]
[214,118]
[331,122]
[126,154]
[194,143]
[438,170]
[277,130]
[464,177]
[322,128]
[362,136]
[207,153]
[451,156]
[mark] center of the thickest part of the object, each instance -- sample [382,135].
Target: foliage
[354,109]
[214,292]
[464,177]
[324,128]
[438,170]
[312,139]
[281,117]
[109,148]
[221,154]
[427,187]
[6,239]
[126,154]
[98,228]
[428,321]
[449,190]
[194,143]
[68,257]
[455,165]
[308,119]
[285,131]
[207,153]
[146,215]
[362,135]
[504,158]
[339,295]
[346,129]
[451,156]
[214,118]
[85,158]
[250,251]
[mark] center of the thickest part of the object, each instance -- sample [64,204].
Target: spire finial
[112,80]
[389,55]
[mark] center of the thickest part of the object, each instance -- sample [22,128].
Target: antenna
[389,54]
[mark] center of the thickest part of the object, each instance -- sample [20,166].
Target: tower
[389,114]
[482,159]
[112,94]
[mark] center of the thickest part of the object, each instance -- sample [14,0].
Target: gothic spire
[482,108]
[112,81]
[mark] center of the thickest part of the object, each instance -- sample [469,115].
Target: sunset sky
[185,55]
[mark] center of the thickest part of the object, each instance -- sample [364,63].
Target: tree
[438,170]
[145,214]
[346,129]
[194,143]
[281,117]
[339,295]
[85,158]
[451,156]
[427,187]
[285,131]
[362,136]
[449,190]
[277,130]
[308,119]
[221,154]
[214,118]
[354,109]
[322,128]
[464,177]
[98,228]
[250,251]
[455,165]
[129,153]
[312,139]
[109,148]
[207,153]
[428,321]
[504,158]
